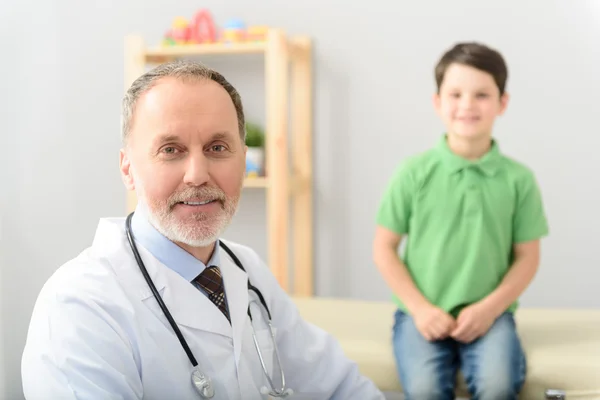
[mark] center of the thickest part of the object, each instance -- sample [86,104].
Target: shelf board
[160,52]
[259,182]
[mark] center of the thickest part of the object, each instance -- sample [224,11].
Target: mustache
[203,193]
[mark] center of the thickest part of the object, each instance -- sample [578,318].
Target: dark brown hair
[475,55]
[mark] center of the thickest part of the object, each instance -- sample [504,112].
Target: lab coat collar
[110,243]
[188,306]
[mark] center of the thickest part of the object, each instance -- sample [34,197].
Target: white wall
[373,85]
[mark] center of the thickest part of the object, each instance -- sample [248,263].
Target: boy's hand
[472,322]
[434,323]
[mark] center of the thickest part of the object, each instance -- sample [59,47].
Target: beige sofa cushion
[562,346]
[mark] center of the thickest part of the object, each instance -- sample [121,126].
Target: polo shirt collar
[488,164]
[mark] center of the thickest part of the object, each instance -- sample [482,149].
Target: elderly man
[160,306]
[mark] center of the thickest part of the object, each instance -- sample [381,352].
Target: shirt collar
[167,252]
[488,164]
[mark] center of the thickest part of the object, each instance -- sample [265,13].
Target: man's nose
[196,173]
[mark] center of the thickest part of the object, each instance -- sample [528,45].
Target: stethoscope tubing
[157,295]
[162,304]
[209,392]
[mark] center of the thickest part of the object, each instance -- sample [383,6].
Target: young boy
[473,219]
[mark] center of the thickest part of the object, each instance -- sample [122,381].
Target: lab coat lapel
[188,306]
[192,308]
[236,290]
[111,243]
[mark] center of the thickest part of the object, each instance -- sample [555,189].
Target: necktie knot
[211,281]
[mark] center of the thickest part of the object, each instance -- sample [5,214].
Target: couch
[562,345]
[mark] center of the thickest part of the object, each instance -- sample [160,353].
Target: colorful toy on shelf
[179,32]
[201,30]
[234,31]
[257,33]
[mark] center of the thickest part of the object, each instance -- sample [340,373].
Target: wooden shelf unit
[288,82]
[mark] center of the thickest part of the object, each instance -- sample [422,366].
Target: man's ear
[125,167]
[503,103]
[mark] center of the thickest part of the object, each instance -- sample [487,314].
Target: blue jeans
[494,365]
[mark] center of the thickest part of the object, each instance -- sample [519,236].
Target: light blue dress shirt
[167,252]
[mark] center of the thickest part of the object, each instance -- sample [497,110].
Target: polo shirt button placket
[472,195]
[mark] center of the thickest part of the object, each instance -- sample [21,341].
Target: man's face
[185,159]
[469,102]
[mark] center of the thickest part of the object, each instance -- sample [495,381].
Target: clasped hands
[436,324]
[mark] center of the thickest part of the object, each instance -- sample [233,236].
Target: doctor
[159,306]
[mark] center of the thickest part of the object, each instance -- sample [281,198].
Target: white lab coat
[97,332]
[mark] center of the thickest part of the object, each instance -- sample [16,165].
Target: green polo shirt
[461,219]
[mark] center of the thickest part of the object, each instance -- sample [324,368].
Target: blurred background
[62,82]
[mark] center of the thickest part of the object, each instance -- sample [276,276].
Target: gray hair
[181,69]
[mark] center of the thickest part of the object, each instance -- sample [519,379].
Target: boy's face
[469,102]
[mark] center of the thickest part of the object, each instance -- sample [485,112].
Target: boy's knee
[496,365]
[429,385]
[497,387]
[424,389]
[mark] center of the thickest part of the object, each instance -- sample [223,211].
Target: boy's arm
[393,270]
[393,219]
[518,278]
[529,226]
[432,322]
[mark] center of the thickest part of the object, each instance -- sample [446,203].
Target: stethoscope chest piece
[203,384]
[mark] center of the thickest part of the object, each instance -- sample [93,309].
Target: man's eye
[218,148]
[169,151]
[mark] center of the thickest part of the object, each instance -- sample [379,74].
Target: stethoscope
[200,380]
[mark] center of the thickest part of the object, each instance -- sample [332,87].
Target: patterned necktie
[212,282]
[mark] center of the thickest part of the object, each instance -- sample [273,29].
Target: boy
[473,219]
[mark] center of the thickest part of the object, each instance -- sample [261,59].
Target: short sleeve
[530,222]
[396,203]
